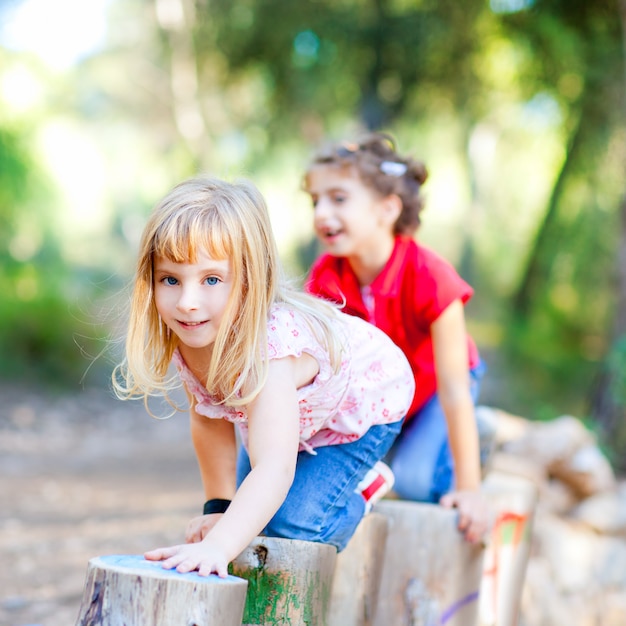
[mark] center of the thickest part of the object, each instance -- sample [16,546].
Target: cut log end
[127,590]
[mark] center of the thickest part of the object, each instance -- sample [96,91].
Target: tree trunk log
[130,591]
[357,574]
[431,575]
[513,500]
[289,582]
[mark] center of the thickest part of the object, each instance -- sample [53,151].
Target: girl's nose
[188,300]
[320,211]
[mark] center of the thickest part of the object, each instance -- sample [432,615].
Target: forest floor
[83,475]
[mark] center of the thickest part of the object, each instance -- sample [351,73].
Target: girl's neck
[369,264]
[197,360]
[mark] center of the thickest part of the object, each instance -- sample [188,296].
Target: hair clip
[393,168]
[350,147]
[347,149]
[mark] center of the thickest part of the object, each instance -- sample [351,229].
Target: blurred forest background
[518,108]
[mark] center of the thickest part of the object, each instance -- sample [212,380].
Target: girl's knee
[296,520]
[333,525]
[414,481]
[416,488]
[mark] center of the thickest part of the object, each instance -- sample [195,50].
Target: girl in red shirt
[367,206]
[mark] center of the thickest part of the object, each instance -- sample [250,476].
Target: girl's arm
[273,420]
[453,387]
[216,451]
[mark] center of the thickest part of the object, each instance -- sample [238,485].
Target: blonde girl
[367,204]
[317,396]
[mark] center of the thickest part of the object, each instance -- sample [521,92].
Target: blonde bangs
[184,234]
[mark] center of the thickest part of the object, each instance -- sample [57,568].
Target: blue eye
[212,280]
[170,280]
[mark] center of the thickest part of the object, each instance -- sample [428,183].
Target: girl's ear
[392,207]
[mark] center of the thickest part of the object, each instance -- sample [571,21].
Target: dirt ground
[83,475]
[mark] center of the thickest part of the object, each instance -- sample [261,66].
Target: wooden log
[127,590]
[358,572]
[513,500]
[431,575]
[289,581]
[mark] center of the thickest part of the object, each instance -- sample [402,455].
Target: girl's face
[350,219]
[191,298]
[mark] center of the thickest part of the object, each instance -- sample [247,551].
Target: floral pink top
[374,386]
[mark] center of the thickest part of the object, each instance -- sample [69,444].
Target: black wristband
[216,505]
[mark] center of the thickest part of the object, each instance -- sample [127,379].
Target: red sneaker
[376,484]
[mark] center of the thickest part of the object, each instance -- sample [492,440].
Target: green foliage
[46,335]
[554,347]
[44,331]
[323,58]
[14,167]
[548,370]
[616,364]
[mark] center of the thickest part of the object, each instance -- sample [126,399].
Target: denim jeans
[420,458]
[322,504]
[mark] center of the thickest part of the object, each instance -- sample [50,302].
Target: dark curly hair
[375,159]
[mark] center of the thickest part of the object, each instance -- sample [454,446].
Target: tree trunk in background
[540,257]
[607,405]
[372,111]
[620,316]
[176,18]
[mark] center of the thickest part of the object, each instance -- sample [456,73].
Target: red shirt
[413,289]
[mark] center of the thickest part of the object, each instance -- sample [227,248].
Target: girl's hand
[204,556]
[473,511]
[199,527]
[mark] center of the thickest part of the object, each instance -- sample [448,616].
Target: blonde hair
[226,221]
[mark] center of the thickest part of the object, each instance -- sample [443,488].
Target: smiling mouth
[329,233]
[192,324]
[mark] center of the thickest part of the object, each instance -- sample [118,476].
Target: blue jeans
[421,459]
[322,504]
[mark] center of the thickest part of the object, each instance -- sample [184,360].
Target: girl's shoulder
[283,321]
[323,261]
[289,332]
[429,264]
[423,257]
